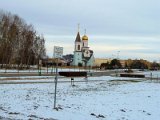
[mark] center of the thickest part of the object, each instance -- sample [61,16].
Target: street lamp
[117,61]
[118,52]
[113,56]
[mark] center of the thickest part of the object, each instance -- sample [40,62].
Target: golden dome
[85,37]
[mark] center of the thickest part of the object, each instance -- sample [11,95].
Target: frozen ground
[106,99]
[155,74]
[45,70]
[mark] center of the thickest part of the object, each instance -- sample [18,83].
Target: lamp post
[117,62]
[113,56]
[118,52]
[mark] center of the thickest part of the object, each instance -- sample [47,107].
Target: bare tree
[19,43]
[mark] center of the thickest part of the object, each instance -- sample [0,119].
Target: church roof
[78,38]
[85,37]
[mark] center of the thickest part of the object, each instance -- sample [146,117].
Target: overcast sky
[129,26]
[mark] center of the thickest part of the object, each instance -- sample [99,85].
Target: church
[83,56]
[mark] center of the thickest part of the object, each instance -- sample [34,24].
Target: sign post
[58,52]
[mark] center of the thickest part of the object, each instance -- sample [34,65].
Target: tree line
[131,64]
[114,64]
[19,43]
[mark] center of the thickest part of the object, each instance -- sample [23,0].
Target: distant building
[99,61]
[123,63]
[68,58]
[52,62]
[83,56]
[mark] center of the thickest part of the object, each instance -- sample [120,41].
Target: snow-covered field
[44,70]
[154,74]
[106,99]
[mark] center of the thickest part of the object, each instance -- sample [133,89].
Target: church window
[87,52]
[78,47]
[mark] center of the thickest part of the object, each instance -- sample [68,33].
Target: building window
[78,47]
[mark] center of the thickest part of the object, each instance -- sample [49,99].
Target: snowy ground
[155,74]
[45,70]
[106,99]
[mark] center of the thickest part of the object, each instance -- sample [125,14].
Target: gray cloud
[137,19]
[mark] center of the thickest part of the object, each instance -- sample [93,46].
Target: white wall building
[82,54]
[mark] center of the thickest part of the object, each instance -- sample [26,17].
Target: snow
[49,79]
[110,97]
[43,70]
[27,77]
[155,74]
